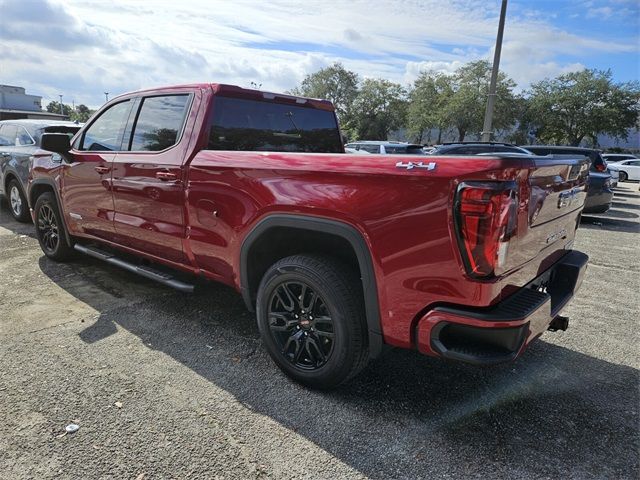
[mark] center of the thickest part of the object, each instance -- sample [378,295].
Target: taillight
[600,167]
[485,221]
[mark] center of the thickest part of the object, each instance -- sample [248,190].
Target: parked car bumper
[598,202]
[599,194]
[500,333]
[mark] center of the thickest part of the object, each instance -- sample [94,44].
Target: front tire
[622,176]
[17,202]
[311,319]
[50,228]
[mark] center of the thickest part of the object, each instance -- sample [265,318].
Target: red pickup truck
[465,258]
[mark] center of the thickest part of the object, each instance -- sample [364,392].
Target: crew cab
[464,258]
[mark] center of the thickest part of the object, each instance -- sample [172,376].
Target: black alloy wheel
[48,229]
[310,313]
[301,325]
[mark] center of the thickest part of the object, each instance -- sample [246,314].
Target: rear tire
[623,177]
[17,202]
[50,228]
[311,319]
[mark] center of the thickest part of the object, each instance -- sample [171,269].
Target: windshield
[253,125]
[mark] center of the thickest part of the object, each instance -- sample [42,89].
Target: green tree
[526,125]
[581,105]
[334,83]
[81,113]
[431,92]
[465,108]
[379,108]
[54,107]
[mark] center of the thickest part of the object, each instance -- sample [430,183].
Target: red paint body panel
[85,193]
[404,216]
[198,221]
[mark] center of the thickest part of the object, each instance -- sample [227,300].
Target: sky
[83,48]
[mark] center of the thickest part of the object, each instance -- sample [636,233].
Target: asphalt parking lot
[168,385]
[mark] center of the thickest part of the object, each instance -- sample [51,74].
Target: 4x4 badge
[410,165]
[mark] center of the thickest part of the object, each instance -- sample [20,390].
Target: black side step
[144,271]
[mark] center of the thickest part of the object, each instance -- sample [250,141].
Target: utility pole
[106,97]
[488,114]
[61,109]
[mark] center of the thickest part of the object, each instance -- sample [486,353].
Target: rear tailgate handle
[164,176]
[102,170]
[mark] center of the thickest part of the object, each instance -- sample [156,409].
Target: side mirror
[55,142]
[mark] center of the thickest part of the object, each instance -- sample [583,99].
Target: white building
[15,103]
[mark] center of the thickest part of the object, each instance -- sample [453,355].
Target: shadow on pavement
[628,206]
[606,223]
[551,413]
[624,195]
[617,213]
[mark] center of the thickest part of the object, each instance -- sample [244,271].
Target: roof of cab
[228,90]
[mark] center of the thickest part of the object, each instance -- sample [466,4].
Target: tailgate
[527,217]
[551,203]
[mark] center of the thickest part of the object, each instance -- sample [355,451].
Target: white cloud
[86,47]
[601,12]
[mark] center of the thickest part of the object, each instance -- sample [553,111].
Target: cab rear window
[253,125]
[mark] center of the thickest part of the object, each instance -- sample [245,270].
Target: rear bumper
[598,202]
[500,333]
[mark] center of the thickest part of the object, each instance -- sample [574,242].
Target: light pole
[61,109]
[106,97]
[488,114]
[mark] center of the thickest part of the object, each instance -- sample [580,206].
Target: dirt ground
[168,385]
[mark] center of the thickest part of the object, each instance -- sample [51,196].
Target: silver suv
[380,147]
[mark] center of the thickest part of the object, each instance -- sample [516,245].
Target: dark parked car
[19,139]
[477,148]
[600,194]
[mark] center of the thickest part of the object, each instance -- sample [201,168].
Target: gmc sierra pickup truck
[465,258]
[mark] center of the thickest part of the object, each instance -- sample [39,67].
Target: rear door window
[8,134]
[159,123]
[253,125]
[370,148]
[395,149]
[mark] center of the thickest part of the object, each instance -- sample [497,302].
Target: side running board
[144,271]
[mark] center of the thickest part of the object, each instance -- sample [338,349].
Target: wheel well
[37,190]
[280,235]
[280,242]
[7,178]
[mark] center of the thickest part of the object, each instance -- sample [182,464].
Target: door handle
[102,170]
[164,176]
